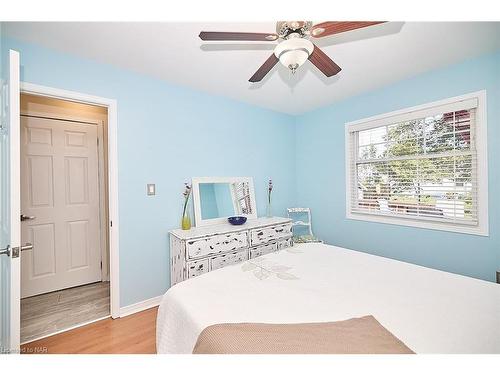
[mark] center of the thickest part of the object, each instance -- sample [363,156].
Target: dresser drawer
[282,244]
[220,243]
[262,250]
[273,233]
[227,259]
[196,267]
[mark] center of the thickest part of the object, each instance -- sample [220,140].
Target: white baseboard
[140,306]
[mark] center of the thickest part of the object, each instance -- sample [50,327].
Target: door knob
[5,250]
[27,246]
[25,217]
[14,252]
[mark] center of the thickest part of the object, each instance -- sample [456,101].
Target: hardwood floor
[133,334]
[51,312]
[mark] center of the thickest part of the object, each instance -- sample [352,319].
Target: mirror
[217,198]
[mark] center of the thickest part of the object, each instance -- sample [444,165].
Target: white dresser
[204,249]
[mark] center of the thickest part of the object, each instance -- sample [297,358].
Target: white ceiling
[369,58]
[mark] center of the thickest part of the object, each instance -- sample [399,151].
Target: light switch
[151,189]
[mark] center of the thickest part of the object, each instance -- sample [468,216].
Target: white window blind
[417,165]
[241,193]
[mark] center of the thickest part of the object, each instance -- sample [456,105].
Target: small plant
[269,191]
[186,220]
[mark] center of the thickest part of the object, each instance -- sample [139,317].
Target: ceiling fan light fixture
[293,52]
[295,47]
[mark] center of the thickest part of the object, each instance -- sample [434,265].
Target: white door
[10,238]
[59,205]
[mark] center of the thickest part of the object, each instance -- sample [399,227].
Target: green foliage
[430,136]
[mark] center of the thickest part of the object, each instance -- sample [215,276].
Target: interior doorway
[64,206]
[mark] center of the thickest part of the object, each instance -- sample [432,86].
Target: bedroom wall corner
[320,172]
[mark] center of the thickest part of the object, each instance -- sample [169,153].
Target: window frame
[481,143]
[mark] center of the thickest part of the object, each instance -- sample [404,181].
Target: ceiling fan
[295,47]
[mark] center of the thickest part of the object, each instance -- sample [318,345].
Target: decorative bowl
[237,220]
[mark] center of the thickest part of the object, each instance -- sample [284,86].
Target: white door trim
[103,225]
[114,267]
[15,199]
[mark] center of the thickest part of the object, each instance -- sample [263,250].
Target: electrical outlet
[151,189]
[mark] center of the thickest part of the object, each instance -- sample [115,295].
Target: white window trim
[482,229]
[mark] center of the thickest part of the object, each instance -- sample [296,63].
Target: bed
[430,311]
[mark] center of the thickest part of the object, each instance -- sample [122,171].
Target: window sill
[474,230]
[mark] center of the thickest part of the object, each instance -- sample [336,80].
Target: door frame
[14,98]
[113,227]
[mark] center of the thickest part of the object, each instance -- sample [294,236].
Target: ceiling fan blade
[336,27]
[222,35]
[264,69]
[323,62]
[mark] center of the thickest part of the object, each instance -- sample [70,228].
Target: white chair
[301,224]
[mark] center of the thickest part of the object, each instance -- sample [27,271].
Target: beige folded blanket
[354,336]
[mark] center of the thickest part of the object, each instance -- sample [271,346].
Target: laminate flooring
[48,313]
[133,334]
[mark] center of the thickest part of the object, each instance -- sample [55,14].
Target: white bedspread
[430,311]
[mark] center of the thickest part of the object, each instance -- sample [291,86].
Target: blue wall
[320,166]
[166,135]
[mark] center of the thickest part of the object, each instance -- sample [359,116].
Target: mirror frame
[196,181]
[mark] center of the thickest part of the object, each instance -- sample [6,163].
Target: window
[424,166]
[241,198]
